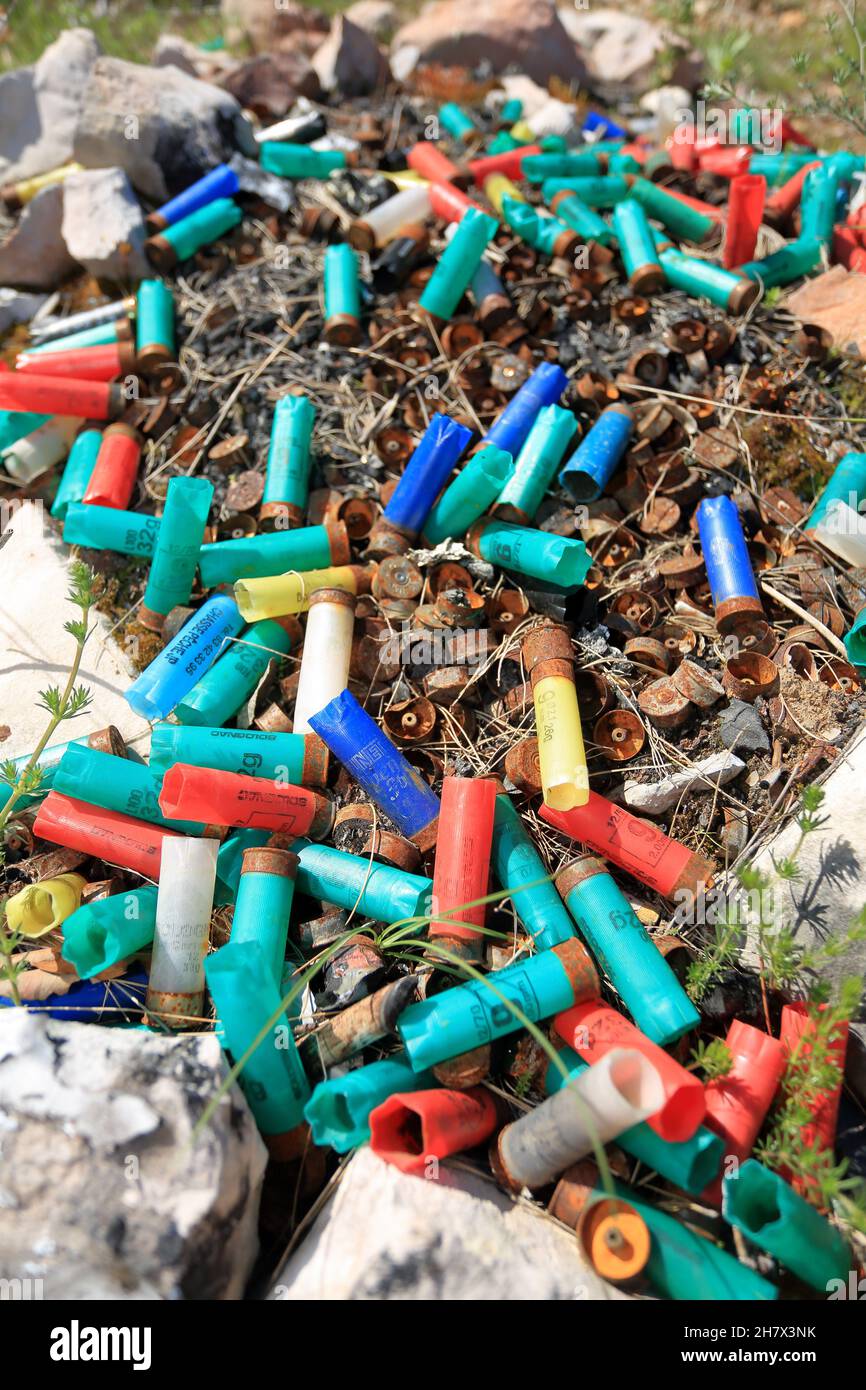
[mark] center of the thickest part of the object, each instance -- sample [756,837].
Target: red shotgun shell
[230,798]
[462,868]
[408,1130]
[634,844]
[112,481]
[593,1028]
[118,839]
[49,395]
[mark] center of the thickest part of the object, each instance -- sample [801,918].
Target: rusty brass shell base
[160,253]
[153,356]
[108,740]
[731,611]
[153,621]
[425,839]
[469,1069]
[646,279]
[343,330]
[174,1010]
[280,516]
[387,539]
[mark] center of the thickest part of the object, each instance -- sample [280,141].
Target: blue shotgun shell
[727,562]
[594,461]
[380,768]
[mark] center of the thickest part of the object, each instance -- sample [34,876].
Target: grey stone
[103,225]
[377,17]
[103,1193]
[163,127]
[265,25]
[384,1235]
[35,651]
[40,106]
[622,50]
[350,61]
[18,308]
[172,50]
[527,35]
[740,728]
[270,83]
[654,798]
[35,256]
[830,890]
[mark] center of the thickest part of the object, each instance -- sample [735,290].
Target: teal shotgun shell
[17,424]
[99,336]
[636,247]
[503,142]
[247,1000]
[352,881]
[601,191]
[691,1164]
[685,1266]
[455,120]
[117,784]
[778,168]
[818,204]
[844,165]
[847,484]
[76,474]
[109,528]
[276,552]
[178,546]
[287,477]
[300,161]
[201,228]
[339,1109]
[625,951]
[457,264]
[621,163]
[539,229]
[251,752]
[536,168]
[101,933]
[230,858]
[511,111]
[468,497]
[231,680]
[50,759]
[769,1212]
[536,464]
[264,903]
[581,218]
[679,219]
[541,555]
[855,640]
[729,289]
[519,867]
[342,296]
[154,324]
[468,1015]
[789,263]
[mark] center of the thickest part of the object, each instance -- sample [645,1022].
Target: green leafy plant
[59,705]
[712,1058]
[783,962]
[845,31]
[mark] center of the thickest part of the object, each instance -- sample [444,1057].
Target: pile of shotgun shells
[488,595]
